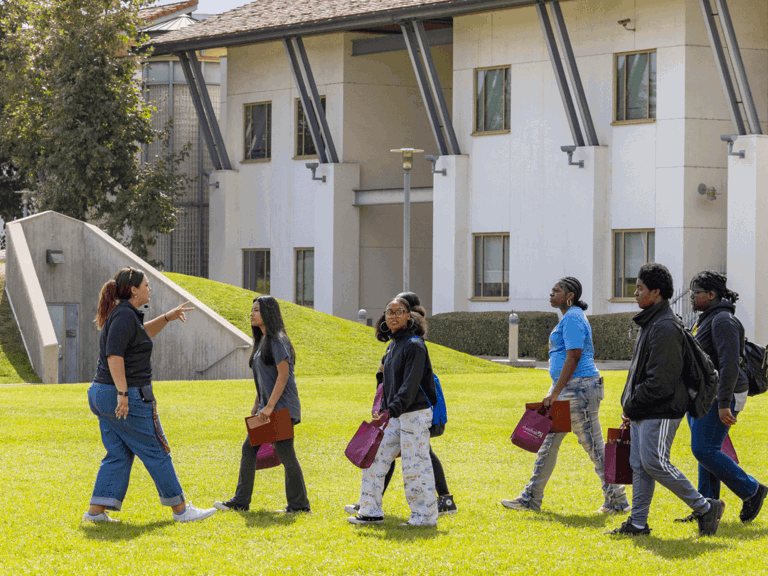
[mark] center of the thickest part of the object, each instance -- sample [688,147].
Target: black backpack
[699,375]
[754,363]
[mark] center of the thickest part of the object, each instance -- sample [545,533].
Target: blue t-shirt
[571,333]
[265,376]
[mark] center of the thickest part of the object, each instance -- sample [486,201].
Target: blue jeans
[585,395]
[707,435]
[140,434]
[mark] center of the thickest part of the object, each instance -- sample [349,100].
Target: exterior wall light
[709,191]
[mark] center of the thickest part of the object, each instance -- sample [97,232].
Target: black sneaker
[360,519]
[628,529]
[710,520]
[446,505]
[689,518]
[751,507]
[230,505]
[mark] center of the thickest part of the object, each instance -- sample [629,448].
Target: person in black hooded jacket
[409,393]
[721,336]
[655,400]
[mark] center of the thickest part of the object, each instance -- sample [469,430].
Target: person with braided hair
[721,336]
[576,379]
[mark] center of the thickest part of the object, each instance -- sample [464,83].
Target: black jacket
[407,371]
[720,334]
[654,387]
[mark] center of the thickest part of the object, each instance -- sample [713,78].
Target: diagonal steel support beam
[722,66]
[306,69]
[738,66]
[200,109]
[437,90]
[562,83]
[573,73]
[306,103]
[426,96]
[214,124]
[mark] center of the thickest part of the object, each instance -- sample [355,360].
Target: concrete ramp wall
[205,347]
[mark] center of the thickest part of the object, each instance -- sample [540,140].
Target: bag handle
[383,420]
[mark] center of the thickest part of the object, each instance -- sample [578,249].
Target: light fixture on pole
[407,154]
[26,195]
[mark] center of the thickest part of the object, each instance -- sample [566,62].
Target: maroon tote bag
[533,429]
[266,457]
[617,448]
[364,445]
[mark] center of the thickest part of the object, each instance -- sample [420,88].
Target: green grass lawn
[51,451]
[14,362]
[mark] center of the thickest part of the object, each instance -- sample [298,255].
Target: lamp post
[26,195]
[407,154]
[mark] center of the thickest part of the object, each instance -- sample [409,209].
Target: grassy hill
[14,362]
[325,345]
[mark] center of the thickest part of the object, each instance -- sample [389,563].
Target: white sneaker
[192,513]
[103,517]
[352,509]
[514,505]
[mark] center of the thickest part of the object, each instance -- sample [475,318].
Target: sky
[216,6]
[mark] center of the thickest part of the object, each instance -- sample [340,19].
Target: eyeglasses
[399,313]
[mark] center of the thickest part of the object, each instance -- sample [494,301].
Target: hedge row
[487,333]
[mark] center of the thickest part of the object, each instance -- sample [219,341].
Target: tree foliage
[73,122]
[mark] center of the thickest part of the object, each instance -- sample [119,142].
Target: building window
[304,144]
[492,100]
[631,249]
[305,277]
[635,86]
[258,131]
[491,265]
[256,270]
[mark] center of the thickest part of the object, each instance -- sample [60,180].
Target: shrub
[612,337]
[487,333]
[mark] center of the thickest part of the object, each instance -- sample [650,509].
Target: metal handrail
[199,371]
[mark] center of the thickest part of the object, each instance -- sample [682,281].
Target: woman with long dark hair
[721,335]
[574,378]
[122,399]
[408,395]
[272,361]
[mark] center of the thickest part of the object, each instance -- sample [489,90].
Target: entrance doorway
[65,323]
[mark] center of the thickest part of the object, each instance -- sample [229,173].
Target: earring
[385,328]
[410,324]
[569,302]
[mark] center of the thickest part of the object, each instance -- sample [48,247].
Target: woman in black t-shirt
[121,397]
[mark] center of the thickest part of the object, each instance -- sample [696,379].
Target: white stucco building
[510,215]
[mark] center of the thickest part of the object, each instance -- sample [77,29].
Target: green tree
[73,121]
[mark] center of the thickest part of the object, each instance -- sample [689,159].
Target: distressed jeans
[585,395]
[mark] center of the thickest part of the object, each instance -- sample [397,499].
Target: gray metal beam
[722,66]
[212,122]
[200,110]
[366,46]
[573,73]
[315,97]
[738,67]
[306,104]
[562,82]
[410,41]
[437,90]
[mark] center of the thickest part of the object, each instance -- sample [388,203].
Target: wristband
[121,393]
[166,318]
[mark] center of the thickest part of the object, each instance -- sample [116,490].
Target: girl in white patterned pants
[409,436]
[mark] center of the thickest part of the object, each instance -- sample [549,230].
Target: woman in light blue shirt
[574,378]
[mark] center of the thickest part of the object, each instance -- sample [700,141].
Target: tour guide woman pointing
[121,397]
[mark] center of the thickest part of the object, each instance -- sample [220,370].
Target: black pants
[295,490]
[441,485]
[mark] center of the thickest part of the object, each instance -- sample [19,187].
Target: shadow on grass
[392,531]
[575,520]
[114,531]
[262,518]
[680,549]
